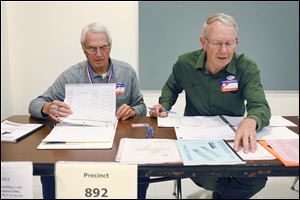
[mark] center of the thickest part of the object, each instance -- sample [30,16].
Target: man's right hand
[56,109]
[158,111]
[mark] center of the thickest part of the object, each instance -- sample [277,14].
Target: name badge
[229,85]
[120,89]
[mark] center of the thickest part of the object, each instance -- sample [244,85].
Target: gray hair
[95,28]
[225,19]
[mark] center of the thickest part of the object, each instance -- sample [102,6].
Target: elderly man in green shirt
[217,81]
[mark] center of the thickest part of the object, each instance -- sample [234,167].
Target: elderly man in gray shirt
[98,68]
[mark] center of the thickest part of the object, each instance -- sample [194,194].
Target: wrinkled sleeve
[257,105]
[55,92]
[136,99]
[171,89]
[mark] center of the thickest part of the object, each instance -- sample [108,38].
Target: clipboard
[286,163]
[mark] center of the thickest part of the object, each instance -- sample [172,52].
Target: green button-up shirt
[203,89]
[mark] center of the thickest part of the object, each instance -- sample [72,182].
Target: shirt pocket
[122,99]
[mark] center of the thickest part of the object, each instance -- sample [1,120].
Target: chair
[177,189]
[294,183]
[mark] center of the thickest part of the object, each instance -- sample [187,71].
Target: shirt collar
[93,74]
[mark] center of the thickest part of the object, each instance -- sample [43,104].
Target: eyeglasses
[219,44]
[93,50]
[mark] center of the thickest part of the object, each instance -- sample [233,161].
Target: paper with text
[274,121]
[276,133]
[91,104]
[12,131]
[260,154]
[207,152]
[148,151]
[16,180]
[202,132]
[96,180]
[190,121]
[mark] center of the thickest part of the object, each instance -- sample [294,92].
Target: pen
[152,132]
[147,133]
[168,111]
[55,142]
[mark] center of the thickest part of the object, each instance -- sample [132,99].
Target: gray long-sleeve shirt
[122,73]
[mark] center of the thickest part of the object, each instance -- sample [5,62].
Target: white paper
[192,132]
[80,134]
[148,151]
[190,121]
[91,103]
[276,133]
[260,154]
[95,180]
[16,180]
[274,121]
[288,149]
[11,131]
[207,152]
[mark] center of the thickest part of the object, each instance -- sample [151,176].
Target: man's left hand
[125,112]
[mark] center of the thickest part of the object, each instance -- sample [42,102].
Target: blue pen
[168,111]
[152,132]
[148,132]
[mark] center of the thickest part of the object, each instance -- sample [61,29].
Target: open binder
[92,125]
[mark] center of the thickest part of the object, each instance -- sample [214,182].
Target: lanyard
[89,75]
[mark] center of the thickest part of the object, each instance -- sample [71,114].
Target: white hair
[226,19]
[95,28]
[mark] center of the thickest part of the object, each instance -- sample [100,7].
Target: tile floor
[276,188]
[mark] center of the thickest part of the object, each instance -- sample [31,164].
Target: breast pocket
[122,99]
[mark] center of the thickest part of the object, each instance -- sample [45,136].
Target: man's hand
[158,111]
[125,112]
[56,109]
[246,135]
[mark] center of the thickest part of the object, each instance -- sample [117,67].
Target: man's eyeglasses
[93,50]
[219,44]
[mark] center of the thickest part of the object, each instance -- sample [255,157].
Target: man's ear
[203,42]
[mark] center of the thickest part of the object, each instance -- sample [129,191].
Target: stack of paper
[147,151]
[287,151]
[13,132]
[204,132]
[207,152]
[197,121]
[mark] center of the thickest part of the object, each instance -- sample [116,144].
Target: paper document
[207,152]
[286,150]
[276,133]
[91,104]
[148,151]
[202,132]
[16,180]
[260,154]
[274,121]
[13,132]
[80,134]
[190,121]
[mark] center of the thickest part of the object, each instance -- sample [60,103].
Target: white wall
[41,39]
